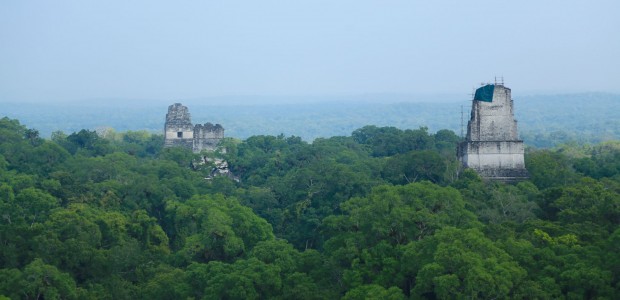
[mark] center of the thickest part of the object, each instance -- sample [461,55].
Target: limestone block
[180,132]
[492,146]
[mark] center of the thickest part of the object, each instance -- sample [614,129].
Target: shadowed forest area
[378,211]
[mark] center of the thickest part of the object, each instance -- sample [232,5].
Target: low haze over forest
[544,120]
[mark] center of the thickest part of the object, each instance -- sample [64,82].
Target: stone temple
[492,146]
[180,132]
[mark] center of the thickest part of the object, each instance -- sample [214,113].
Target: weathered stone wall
[493,121]
[493,155]
[207,136]
[492,146]
[180,132]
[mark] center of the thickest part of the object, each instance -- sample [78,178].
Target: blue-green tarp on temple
[485,93]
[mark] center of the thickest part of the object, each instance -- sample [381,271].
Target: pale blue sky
[72,50]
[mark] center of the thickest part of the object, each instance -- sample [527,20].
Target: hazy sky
[67,50]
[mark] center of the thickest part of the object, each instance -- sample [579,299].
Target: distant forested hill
[547,120]
[544,120]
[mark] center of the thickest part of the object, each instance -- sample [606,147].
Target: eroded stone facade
[492,146]
[180,132]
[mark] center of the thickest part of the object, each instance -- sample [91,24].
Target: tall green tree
[462,263]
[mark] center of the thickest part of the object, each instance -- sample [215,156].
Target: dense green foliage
[381,214]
